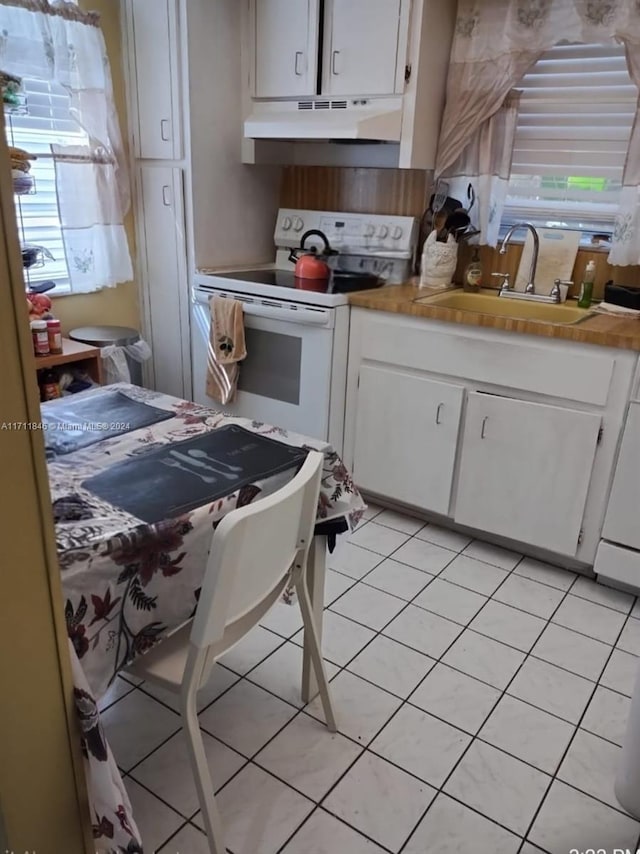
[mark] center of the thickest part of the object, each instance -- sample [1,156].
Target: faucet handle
[505,284]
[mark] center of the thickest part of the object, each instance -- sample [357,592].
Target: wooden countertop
[604,330]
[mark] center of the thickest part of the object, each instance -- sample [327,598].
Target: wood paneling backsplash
[400,192]
[493,262]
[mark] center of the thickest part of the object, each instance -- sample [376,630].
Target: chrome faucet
[530,288]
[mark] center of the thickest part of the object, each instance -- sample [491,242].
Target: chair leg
[316,655]
[202,779]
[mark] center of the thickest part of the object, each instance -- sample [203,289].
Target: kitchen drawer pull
[334,57]
[164,130]
[166,196]
[484,424]
[299,55]
[438,411]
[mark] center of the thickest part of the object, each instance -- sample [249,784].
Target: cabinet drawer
[618,564]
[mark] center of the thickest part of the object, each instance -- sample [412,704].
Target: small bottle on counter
[586,289]
[472,280]
[49,385]
[54,333]
[40,337]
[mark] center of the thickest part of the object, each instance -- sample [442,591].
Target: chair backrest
[253,549]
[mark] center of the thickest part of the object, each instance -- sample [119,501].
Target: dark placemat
[181,476]
[73,424]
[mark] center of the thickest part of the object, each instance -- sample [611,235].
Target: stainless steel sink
[488,302]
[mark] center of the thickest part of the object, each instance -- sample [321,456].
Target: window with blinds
[576,113]
[48,120]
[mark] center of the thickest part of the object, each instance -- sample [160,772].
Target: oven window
[273,365]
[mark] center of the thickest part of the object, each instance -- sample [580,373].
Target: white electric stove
[294,375]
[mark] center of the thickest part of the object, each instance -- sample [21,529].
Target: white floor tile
[450,601]
[498,786]
[341,638]
[167,772]
[421,744]
[570,820]
[352,560]
[362,709]
[474,574]
[545,573]
[621,672]
[538,599]
[528,733]
[596,621]
[372,510]
[399,522]
[259,813]
[630,637]
[135,726]
[552,689]
[380,800]
[324,834]
[155,820]
[463,701]
[309,757]
[528,848]
[590,765]
[591,589]
[635,611]
[220,680]
[451,828]
[574,652]
[253,648]
[335,584]
[246,717]
[392,665]
[378,539]
[119,688]
[281,673]
[398,578]
[444,537]
[426,632]
[366,605]
[508,625]
[504,558]
[189,840]
[424,555]
[484,658]
[283,619]
[607,715]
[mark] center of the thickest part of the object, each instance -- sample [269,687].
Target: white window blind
[47,120]
[576,113]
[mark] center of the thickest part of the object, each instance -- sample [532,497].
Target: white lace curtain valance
[495,43]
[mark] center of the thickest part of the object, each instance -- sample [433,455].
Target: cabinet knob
[166,196]
[298,63]
[438,413]
[164,130]
[484,425]
[334,62]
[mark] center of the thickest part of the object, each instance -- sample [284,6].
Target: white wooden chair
[256,550]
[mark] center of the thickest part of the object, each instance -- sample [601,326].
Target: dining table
[139,481]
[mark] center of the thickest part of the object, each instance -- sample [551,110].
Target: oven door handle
[301,316]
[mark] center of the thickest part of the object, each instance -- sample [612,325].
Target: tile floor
[481,700]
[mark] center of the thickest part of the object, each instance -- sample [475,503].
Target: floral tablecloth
[126,583]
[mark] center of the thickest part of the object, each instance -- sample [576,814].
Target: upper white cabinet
[361,39]
[525,470]
[155,113]
[285,37]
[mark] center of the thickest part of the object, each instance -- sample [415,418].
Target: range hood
[324,119]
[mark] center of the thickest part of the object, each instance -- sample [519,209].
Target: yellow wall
[112,306]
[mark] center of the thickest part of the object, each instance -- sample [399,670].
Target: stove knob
[286,223]
[383,231]
[298,224]
[397,232]
[369,230]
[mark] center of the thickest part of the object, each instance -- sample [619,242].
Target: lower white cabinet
[621,522]
[525,470]
[406,437]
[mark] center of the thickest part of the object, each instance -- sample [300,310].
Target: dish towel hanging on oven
[226,348]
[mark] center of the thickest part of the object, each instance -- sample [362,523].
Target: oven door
[286,378]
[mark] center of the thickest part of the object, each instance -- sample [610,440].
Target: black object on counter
[172,480]
[343,281]
[622,296]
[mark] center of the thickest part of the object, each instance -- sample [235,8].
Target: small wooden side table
[80,355]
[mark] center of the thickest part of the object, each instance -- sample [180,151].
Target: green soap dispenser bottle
[586,289]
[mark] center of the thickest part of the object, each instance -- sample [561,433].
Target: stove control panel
[362,234]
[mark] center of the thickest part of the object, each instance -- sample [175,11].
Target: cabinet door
[525,470]
[406,437]
[286,48]
[154,42]
[164,263]
[621,521]
[361,53]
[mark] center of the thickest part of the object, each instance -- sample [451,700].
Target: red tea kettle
[312,272]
